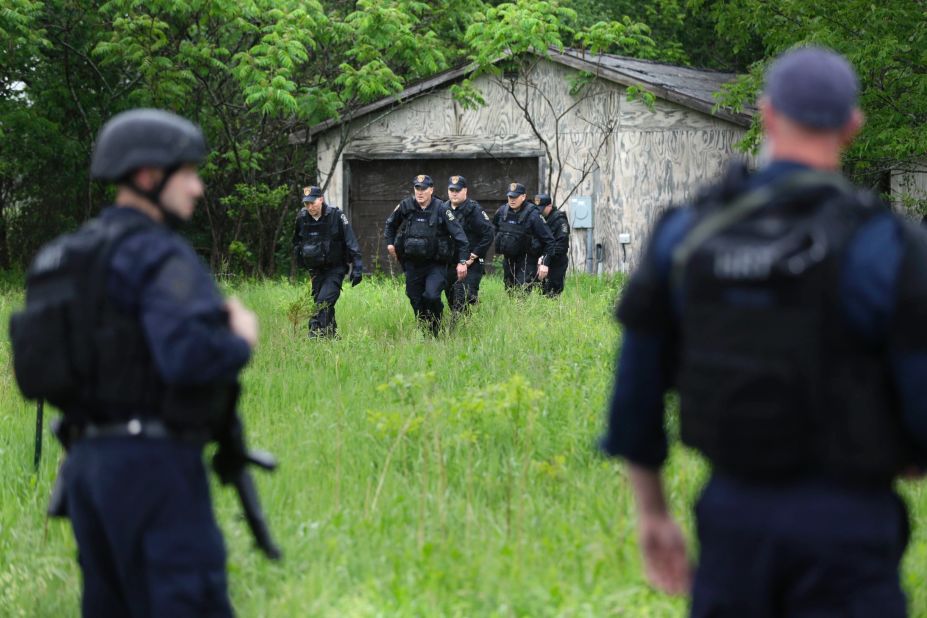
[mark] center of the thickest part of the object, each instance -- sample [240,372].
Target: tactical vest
[73,347]
[773,384]
[319,240]
[70,345]
[513,238]
[422,240]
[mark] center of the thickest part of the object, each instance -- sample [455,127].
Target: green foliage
[515,28]
[299,307]
[886,42]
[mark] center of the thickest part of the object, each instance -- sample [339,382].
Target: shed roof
[693,88]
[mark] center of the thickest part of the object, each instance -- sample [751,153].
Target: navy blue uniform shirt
[155,274]
[868,293]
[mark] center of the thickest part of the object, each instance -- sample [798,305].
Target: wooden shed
[631,158]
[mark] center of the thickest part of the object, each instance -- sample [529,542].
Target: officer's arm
[561,232]
[541,230]
[350,242]
[296,230]
[186,325]
[908,333]
[485,232]
[457,233]
[392,224]
[647,355]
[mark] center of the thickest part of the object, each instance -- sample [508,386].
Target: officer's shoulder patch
[564,228]
[485,216]
[344,218]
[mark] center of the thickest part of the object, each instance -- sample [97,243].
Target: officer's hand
[542,272]
[242,321]
[461,272]
[392,251]
[664,550]
[356,276]
[227,464]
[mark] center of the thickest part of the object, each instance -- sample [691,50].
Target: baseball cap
[457,182]
[516,189]
[542,200]
[814,86]
[311,194]
[422,181]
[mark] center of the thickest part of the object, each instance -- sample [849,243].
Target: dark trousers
[424,284]
[556,274]
[326,290]
[801,550]
[463,294]
[520,273]
[148,543]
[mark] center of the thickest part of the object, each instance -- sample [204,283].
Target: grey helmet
[145,138]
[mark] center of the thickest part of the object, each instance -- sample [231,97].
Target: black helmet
[145,138]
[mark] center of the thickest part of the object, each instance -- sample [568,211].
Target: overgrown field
[418,477]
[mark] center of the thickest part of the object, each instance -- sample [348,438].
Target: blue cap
[516,189]
[422,182]
[457,183]
[311,194]
[542,200]
[815,87]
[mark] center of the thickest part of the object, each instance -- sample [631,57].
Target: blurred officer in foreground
[126,332]
[788,309]
[479,230]
[559,258]
[325,245]
[423,233]
[524,241]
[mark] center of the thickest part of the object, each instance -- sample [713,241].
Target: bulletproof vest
[420,237]
[773,384]
[463,214]
[320,246]
[513,238]
[71,346]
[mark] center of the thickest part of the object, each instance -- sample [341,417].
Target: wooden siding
[909,185]
[639,160]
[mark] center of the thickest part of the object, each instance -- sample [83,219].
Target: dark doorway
[376,186]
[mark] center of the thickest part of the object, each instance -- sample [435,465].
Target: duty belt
[142,428]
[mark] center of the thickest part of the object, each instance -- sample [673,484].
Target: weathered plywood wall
[909,187]
[632,159]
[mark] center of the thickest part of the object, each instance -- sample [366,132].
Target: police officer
[480,232]
[136,488]
[786,307]
[325,245]
[423,233]
[559,257]
[524,241]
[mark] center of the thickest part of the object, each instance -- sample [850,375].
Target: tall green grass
[419,477]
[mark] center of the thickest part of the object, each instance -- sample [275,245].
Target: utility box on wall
[581,212]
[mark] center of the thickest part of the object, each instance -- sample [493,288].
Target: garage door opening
[375,186]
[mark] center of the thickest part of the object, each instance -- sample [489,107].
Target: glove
[356,276]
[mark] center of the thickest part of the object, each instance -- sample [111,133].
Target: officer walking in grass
[423,233]
[789,310]
[524,241]
[326,246]
[479,230]
[559,257]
